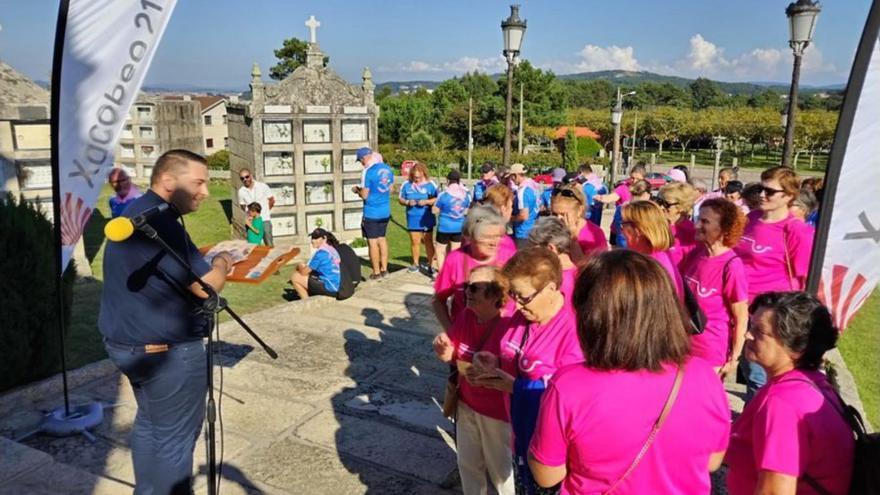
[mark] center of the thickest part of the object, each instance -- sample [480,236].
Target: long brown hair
[628,316]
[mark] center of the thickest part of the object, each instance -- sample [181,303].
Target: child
[254,223]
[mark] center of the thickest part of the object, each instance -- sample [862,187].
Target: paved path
[349,407]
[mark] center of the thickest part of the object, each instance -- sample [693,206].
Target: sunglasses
[245,177]
[525,301]
[666,204]
[568,193]
[769,191]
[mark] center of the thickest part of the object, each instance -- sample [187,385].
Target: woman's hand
[443,347]
[497,379]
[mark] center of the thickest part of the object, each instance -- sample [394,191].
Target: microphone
[121,228]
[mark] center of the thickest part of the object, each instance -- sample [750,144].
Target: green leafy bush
[570,150]
[219,160]
[29,343]
[420,141]
[438,161]
[588,147]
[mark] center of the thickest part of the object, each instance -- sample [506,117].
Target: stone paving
[349,407]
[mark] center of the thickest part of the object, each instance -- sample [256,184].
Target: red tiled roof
[578,131]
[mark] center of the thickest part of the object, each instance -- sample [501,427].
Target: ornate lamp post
[514,29]
[802,16]
[616,117]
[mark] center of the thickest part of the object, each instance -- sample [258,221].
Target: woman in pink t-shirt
[775,247]
[551,233]
[568,203]
[792,437]
[482,424]
[539,339]
[677,200]
[482,231]
[715,275]
[647,231]
[597,417]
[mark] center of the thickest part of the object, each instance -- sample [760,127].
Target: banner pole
[841,137]
[57,58]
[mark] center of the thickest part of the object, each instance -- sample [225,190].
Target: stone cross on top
[313,26]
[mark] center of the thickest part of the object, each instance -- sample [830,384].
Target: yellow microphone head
[119,229]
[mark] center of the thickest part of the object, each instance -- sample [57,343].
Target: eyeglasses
[666,204]
[769,191]
[245,177]
[568,193]
[525,301]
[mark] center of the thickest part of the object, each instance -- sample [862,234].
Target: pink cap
[676,175]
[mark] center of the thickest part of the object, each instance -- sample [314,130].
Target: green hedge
[438,161]
[29,343]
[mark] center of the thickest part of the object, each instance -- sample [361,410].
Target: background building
[300,136]
[214,127]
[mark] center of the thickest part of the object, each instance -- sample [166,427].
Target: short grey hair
[700,185]
[479,218]
[550,231]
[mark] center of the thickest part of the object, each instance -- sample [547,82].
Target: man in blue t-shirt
[558,176]
[152,324]
[375,190]
[525,204]
[487,180]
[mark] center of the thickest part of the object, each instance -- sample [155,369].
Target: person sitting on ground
[568,205]
[321,275]
[482,423]
[451,208]
[253,223]
[598,429]
[792,437]
[482,232]
[126,192]
[418,194]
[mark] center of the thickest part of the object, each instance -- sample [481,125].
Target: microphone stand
[213,305]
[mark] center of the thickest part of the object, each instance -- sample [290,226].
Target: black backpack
[349,271]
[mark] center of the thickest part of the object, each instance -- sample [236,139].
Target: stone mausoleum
[300,137]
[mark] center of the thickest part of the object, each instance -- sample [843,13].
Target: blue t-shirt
[526,198]
[146,297]
[325,263]
[480,189]
[546,197]
[378,178]
[452,212]
[418,217]
[617,227]
[593,211]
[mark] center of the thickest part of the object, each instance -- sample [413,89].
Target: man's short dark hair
[173,162]
[255,207]
[802,323]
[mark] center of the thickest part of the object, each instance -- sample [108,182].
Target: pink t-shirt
[622,190]
[454,274]
[569,277]
[665,261]
[506,247]
[769,261]
[466,334]
[717,282]
[595,422]
[547,348]
[791,428]
[684,234]
[592,239]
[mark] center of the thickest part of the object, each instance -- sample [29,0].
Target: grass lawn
[705,157]
[860,344]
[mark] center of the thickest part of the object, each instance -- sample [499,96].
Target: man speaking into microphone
[152,327]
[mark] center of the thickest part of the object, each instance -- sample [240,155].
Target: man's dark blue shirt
[146,297]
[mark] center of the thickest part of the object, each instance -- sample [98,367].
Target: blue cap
[362,152]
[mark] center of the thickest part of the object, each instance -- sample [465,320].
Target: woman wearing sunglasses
[677,200]
[775,247]
[482,424]
[482,233]
[568,204]
[539,339]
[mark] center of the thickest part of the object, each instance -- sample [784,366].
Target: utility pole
[508,111]
[635,128]
[520,137]
[470,144]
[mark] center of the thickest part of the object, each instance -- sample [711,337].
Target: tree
[595,94]
[570,151]
[544,97]
[420,140]
[705,93]
[665,124]
[291,55]
[219,160]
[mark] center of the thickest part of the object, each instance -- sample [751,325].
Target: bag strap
[676,385]
[789,269]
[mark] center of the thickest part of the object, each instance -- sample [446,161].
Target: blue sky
[214,42]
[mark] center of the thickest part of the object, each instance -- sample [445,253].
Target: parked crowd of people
[582,367]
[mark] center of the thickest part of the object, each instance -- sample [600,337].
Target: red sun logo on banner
[74,215]
[843,301]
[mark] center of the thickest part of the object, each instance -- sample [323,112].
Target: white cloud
[813,62]
[455,67]
[705,56]
[595,58]
[762,63]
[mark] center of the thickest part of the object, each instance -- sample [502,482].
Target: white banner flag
[98,70]
[847,247]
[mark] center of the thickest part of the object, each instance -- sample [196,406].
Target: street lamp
[616,117]
[802,16]
[514,29]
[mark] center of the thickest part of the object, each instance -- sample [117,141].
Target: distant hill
[626,78]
